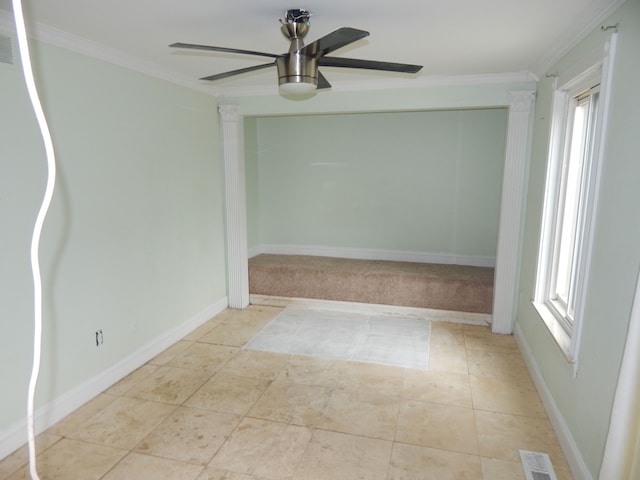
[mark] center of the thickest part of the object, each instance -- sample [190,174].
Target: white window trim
[597,66]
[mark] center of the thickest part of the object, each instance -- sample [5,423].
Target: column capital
[229,113]
[521,100]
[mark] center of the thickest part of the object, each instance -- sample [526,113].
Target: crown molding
[572,38]
[395,84]
[83,46]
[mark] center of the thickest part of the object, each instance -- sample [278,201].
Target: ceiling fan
[298,68]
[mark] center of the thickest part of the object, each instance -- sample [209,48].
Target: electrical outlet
[99,338]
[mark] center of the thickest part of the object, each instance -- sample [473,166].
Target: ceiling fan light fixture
[297,89]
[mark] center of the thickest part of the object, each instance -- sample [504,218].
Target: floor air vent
[537,466]
[6,53]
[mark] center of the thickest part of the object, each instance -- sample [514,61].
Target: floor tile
[131,380]
[502,435]
[339,456]
[228,393]
[322,372]
[203,329]
[371,377]
[166,356]
[124,422]
[437,426]
[506,366]
[415,462]
[73,423]
[448,358]
[447,334]
[263,448]
[292,403]
[503,396]
[144,467]
[204,357]
[262,365]
[231,334]
[189,435]
[18,459]
[493,469]
[70,459]
[362,412]
[437,387]
[211,473]
[169,385]
[481,338]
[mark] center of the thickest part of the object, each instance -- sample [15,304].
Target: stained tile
[437,426]
[228,393]
[502,435]
[448,358]
[124,422]
[231,334]
[493,469]
[69,459]
[263,448]
[211,473]
[371,377]
[339,456]
[170,385]
[503,396]
[262,365]
[128,382]
[73,423]
[437,387]
[11,463]
[415,462]
[204,357]
[292,403]
[447,334]
[144,467]
[362,412]
[167,355]
[203,329]
[322,372]
[189,435]
[481,338]
[506,366]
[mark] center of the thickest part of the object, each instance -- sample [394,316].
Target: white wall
[426,182]
[585,402]
[134,244]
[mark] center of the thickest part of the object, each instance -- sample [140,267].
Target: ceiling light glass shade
[297,88]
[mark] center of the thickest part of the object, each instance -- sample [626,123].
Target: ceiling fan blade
[322,82]
[334,40]
[368,64]
[231,73]
[221,49]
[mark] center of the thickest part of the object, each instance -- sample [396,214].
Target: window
[570,203]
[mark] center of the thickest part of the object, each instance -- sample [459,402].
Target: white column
[511,211]
[235,206]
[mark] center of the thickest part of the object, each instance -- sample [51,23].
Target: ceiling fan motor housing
[296,67]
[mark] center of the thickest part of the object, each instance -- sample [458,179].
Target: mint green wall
[585,402]
[427,182]
[134,243]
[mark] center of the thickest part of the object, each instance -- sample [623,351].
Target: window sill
[559,334]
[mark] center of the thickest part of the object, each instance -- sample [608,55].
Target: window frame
[592,75]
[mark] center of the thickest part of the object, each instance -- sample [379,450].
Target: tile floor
[208,409]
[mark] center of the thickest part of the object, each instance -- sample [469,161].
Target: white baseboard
[46,416]
[370,254]
[469,318]
[570,449]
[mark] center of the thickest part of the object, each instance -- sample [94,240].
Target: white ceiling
[448,37]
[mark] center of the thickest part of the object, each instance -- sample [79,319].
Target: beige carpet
[423,285]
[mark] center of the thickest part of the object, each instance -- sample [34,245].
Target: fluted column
[512,211]
[235,205]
